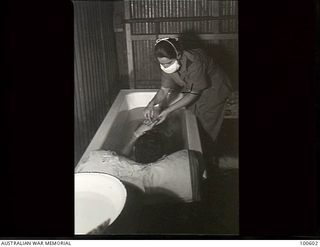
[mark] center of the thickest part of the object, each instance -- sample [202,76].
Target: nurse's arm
[186,100]
[159,97]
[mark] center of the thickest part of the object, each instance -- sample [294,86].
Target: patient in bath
[150,167]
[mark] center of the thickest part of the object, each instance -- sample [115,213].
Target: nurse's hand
[148,113]
[162,116]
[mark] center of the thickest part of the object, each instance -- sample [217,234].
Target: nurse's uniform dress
[198,73]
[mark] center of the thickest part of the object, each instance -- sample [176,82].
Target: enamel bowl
[99,199]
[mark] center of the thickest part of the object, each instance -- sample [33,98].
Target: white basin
[99,198]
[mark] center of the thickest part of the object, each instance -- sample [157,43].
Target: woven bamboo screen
[214,23]
[95,69]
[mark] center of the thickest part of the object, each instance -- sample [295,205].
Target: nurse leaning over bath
[204,84]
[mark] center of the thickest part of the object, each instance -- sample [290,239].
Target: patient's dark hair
[150,147]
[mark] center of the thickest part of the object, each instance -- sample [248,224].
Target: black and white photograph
[160,120]
[156,117]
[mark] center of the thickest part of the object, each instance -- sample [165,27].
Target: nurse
[204,84]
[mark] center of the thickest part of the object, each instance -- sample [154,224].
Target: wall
[209,24]
[95,69]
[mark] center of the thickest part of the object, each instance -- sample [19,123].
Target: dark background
[279,139]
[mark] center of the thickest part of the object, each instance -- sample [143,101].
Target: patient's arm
[128,147]
[138,132]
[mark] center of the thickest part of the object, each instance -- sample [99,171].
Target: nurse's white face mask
[172,68]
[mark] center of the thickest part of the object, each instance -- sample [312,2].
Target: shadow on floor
[217,213]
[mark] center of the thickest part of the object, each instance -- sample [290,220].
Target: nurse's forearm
[159,97]
[186,100]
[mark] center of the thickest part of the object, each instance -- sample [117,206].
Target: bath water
[170,129]
[91,209]
[127,122]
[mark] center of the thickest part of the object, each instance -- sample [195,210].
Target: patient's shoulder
[179,155]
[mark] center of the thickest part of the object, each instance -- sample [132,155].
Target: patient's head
[150,147]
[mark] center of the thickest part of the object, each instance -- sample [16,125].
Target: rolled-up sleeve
[196,79]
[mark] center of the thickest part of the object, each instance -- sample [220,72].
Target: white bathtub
[127,108]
